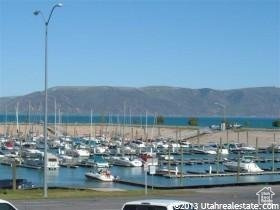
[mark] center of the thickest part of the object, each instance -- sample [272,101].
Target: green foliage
[276,123]
[160,120]
[193,121]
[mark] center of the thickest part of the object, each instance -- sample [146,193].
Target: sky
[219,44]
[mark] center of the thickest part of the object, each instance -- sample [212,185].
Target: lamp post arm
[50,15]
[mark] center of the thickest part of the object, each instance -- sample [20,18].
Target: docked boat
[237,147]
[9,145]
[35,163]
[126,161]
[166,171]
[98,161]
[101,175]
[246,164]
[52,162]
[166,157]
[276,148]
[31,153]
[205,150]
[78,153]
[8,159]
[82,152]
[221,149]
[149,158]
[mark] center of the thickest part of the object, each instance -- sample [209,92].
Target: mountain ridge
[165,100]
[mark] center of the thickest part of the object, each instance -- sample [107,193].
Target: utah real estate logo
[265,195]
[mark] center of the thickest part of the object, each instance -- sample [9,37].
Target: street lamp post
[46,22]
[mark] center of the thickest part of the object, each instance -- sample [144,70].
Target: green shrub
[193,121]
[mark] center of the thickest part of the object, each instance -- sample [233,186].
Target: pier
[221,174]
[160,187]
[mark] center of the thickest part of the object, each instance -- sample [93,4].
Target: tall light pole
[46,22]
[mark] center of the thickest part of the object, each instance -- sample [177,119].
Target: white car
[159,204]
[5,205]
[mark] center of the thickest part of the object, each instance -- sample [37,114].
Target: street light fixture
[46,22]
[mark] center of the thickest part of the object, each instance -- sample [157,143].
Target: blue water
[76,177]
[141,120]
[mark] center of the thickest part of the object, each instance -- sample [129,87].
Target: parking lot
[246,194]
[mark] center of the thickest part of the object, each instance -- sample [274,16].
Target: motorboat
[185,144]
[221,149]
[126,161]
[98,161]
[101,175]
[33,163]
[166,171]
[276,148]
[52,162]
[237,147]
[246,164]
[78,153]
[138,144]
[206,150]
[149,158]
[9,145]
[8,159]
[31,153]
[166,157]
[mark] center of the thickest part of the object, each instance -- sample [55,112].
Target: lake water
[174,121]
[76,177]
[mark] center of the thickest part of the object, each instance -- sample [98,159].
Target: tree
[160,120]
[276,123]
[193,121]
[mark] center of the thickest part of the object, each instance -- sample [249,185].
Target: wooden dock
[139,184]
[211,161]
[221,174]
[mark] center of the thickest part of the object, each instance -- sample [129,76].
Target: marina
[114,159]
[139,105]
[127,156]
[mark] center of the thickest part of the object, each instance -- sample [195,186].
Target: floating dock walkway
[221,174]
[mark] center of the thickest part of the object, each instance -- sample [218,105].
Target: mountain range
[164,100]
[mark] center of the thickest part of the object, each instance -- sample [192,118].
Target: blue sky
[220,44]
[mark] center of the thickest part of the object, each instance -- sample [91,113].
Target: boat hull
[100,177]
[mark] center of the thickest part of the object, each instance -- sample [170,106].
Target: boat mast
[29,116]
[55,116]
[6,117]
[123,133]
[17,118]
[146,128]
[90,123]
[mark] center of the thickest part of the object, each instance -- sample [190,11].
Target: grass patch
[84,193]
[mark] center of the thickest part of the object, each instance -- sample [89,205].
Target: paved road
[220,195]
